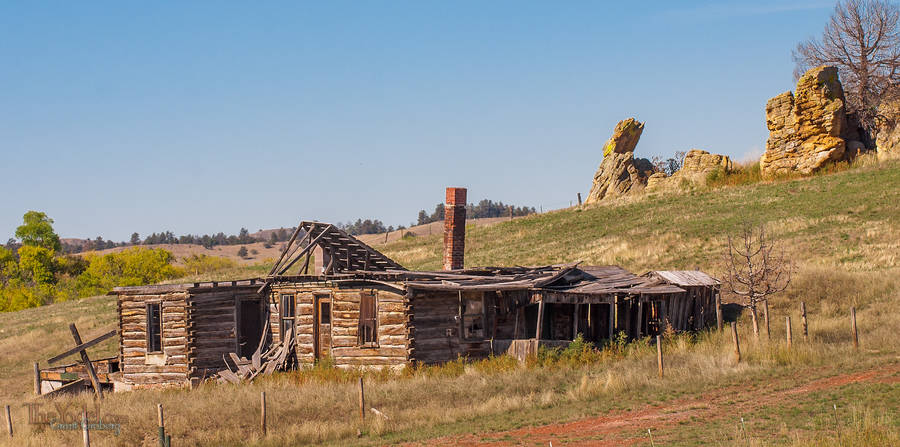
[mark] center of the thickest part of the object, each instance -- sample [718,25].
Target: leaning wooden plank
[242,365]
[255,358]
[82,346]
[229,376]
[95,381]
[238,360]
[71,387]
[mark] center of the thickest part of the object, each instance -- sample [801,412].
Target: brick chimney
[454,228]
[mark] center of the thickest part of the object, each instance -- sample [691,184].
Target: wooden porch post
[575,322]
[612,318]
[540,320]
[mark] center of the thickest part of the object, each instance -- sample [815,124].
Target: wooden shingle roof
[684,278]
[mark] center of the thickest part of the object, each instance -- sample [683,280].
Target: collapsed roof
[351,260]
[346,253]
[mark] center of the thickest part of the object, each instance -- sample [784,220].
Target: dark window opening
[325,312]
[473,317]
[154,327]
[287,313]
[368,321]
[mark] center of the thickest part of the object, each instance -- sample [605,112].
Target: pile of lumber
[261,363]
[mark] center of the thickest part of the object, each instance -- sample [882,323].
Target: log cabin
[348,304]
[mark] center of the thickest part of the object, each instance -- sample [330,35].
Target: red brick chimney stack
[455,228]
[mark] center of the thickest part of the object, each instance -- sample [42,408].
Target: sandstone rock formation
[695,169]
[619,172]
[888,141]
[809,129]
[698,164]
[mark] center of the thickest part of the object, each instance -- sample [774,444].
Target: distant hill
[180,251]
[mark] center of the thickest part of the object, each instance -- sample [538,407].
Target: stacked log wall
[140,369]
[212,327]
[392,329]
[305,346]
[392,347]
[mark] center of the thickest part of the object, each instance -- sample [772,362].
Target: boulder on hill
[888,141]
[695,169]
[809,129]
[619,172]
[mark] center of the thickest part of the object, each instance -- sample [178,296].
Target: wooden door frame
[317,299]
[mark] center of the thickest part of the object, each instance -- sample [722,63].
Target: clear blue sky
[199,117]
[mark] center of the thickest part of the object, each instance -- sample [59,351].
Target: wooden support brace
[82,346]
[95,381]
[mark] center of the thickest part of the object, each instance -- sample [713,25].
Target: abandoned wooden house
[341,300]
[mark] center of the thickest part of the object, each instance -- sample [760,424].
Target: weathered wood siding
[434,329]
[392,344]
[392,331]
[169,367]
[213,326]
[304,327]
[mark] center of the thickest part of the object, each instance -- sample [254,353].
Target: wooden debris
[262,363]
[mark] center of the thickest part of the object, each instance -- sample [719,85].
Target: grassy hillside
[850,219]
[841,230]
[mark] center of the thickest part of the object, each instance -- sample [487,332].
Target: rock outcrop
[888,141]
[807,130]
[695,169]
[699,164]
[619,172]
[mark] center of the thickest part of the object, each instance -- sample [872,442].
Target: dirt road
[619,428]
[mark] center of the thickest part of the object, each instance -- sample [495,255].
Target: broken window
[154,327]
[368,321]
[472,317]
[287,313]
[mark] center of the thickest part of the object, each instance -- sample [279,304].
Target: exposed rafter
[345,252]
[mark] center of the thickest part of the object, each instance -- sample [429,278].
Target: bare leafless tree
[863,41]
[756,268]
[669,165]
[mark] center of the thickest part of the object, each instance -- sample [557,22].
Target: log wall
[434,330]
[169,367]
[391,348]
[391,329]
[212,326]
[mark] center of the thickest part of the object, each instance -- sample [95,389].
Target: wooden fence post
[161,424]
[85,432]
[579,199]
[362,401]
[789,334]
[262,412]
[37,379]
[719,325]
[9,422]
[659,357]
[803,324]
[766,315]
[853,328]
[737,344]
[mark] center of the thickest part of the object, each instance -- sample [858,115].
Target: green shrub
[132,267]
[199,264]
